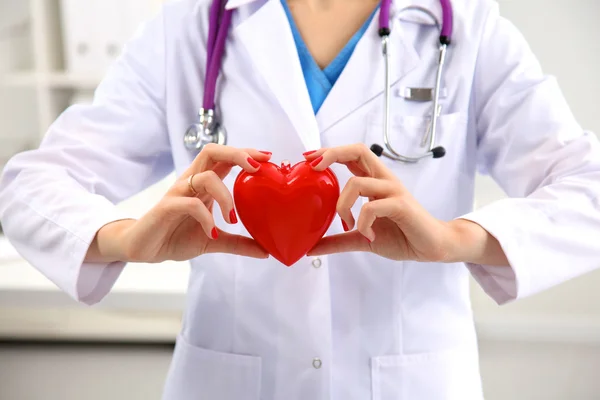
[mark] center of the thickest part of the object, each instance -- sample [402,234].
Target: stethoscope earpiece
[377,149]
[438,152]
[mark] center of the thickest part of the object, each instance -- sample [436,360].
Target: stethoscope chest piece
[206,130]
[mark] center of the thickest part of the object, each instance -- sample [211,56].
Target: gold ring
[191,186]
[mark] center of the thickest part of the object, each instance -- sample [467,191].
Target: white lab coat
[380,329]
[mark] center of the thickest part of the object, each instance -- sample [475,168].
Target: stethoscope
[209,129]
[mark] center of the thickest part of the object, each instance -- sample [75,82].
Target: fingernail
[233,217]
[345,226]
[267,153]
[368,240]
[308,153]
[214,233]
[316,161]
[253,162]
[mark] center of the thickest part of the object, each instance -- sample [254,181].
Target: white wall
[564,35]
[17,106]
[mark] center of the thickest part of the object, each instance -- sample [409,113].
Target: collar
[233,4]
[401,9]
[416,11]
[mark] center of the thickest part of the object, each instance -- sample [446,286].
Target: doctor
[378,312]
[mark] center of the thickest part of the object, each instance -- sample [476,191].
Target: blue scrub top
[320,81]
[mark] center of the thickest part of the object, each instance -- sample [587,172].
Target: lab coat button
[317,363]
[317,263]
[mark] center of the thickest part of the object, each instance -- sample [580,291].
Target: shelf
[145,305]
[58,80]
[66,80]
[141,287]
[76,324]
[7,251]
[150,287]
[39,58]
[19,79]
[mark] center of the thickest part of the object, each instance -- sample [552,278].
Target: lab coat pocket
[448,375]
[202,374]
[409,135]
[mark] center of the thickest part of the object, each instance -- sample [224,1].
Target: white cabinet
[80,28]
[70,44]
[95,31]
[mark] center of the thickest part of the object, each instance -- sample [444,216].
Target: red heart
[288,209]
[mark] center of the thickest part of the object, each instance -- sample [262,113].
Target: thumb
[235,244]
[341,243]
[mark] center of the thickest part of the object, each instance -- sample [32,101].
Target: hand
[393,224]
[181,226]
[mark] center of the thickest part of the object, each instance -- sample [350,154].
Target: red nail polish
[316,161]
[345,226]
[253,162]
[233,217]
[308,153]
[267,153]
[214,233]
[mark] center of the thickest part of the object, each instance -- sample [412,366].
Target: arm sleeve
[531,144]
[54,199]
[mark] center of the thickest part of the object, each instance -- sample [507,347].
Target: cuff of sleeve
[502,284]
[94,281]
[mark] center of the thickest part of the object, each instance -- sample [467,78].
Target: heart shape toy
[287,210]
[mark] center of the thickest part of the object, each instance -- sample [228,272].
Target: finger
[247,159]
[342,243]
[196,209]
[360,187]
[208,183]
[312,154]
[343,154]
[261,155]
[354,153]
[222,170]
[373,210]
[352,166]
[236,244]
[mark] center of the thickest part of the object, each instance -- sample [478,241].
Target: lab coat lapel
[363,78]
[267,36]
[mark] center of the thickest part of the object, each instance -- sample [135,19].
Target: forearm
[107,246]
[473,244]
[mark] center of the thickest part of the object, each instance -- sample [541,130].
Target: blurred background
[54,52]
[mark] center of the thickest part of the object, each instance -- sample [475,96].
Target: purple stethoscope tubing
[447,22]
[218,26]
[219,22]
[447,19]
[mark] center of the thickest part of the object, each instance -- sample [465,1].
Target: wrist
[462,241]
[110,243]
[471,243]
